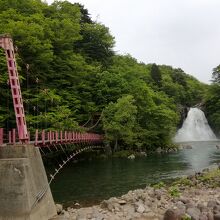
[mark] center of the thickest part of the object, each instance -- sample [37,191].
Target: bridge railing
[45,138]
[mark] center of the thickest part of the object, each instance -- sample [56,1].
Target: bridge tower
[7,44]
[24,190]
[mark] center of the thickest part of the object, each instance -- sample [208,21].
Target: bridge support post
[24,190]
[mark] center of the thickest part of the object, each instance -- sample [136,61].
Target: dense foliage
[72,77]
[213,101]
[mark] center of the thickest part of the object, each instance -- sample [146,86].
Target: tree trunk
[116,144]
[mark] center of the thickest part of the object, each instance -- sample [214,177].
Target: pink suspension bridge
[21,134]
[25,190]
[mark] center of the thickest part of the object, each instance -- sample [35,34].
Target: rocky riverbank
[195,197]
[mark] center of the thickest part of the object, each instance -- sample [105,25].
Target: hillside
[72,78]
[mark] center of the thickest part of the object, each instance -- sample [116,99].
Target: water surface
[89,182]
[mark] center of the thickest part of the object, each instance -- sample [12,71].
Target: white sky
[184,34]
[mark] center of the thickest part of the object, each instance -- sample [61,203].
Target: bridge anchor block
[24,190]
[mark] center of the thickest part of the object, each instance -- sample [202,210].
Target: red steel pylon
[7,44]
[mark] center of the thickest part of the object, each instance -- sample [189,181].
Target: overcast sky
[184,34]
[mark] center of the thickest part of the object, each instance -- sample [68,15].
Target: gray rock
[185,146]
[210,216]
[218,201]
[216,209]
[203,217]
[180,205]
[81,215]
[132,157]
[150,191]
[110,204]
[60,217]
[66,214]
[128,208]
[190,205]
[202,207]
[158,193]
[184,200]
[170,215]
[95,214]
[147,209]
[106,205]
[99,216]
[194,213]
[117,209]
[159,150]
[59,208]
[180,213]
[122,202]
[188,146]
[211,203]
[217,217]
[144,154]
[140,208]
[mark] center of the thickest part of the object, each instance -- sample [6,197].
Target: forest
[72,79]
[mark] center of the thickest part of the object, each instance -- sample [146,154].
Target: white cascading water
[195,128]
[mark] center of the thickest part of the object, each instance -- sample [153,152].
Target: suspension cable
[88,129]
[87,122]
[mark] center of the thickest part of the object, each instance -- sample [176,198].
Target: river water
[89,182]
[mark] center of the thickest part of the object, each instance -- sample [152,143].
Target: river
[89,182]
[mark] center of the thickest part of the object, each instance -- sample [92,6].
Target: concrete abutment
[24,190]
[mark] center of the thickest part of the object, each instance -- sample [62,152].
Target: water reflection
[90,181]
[201,155]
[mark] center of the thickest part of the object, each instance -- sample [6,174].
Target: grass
[174,191]
[211,178]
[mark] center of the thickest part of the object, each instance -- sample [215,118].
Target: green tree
[216,74]
[96,44]
[156,75]
[178,76]
[119,121]
[4,89]
[212,106]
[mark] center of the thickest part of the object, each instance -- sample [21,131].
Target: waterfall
[195,128]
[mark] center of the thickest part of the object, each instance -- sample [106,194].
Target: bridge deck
[50,138]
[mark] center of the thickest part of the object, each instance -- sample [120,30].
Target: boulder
[216,209]
[202,207]
[131,157]
[60,217]
[188,146]
[210,216]
[194,213]
[128,209]
[203,217]
[59,208]
[144,154]
[170,215]
[159,150]
[81,214]
[66,214]
[140,208]
[211,203]
[217,217]
[122,202]
[184,200]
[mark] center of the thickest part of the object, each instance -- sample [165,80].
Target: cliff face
[183,110]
